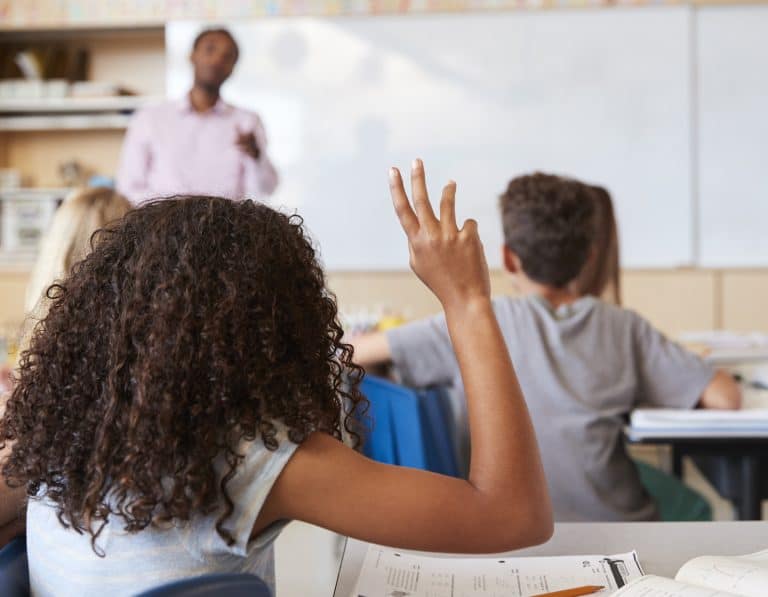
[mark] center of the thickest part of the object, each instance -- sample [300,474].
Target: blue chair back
[408,428]
[213,585]
[439,432]
[14,572]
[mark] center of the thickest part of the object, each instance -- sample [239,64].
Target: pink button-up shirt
[172,149]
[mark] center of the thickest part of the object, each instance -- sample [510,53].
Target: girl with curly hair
[184,398]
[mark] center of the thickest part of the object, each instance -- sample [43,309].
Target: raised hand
[448,259]
[247,143]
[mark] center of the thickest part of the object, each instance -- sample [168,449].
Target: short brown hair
[548,223]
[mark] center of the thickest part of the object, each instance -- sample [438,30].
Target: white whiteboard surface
[733,134]
[603,95]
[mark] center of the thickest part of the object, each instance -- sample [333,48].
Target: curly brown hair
[195,323]
[548,222]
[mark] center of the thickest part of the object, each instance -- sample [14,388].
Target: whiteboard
[603,95]
[733,134]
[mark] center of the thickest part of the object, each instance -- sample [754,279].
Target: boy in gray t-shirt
[583,365]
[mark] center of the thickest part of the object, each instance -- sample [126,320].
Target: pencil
[575,592]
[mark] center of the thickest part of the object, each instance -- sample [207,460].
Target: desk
[663,546]
[734,465]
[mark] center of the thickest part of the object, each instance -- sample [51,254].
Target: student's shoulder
[616,313]
[626,321]
[511,308]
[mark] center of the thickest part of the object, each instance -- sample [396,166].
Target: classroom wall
[674,300]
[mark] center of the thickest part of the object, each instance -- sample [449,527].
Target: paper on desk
[388,572]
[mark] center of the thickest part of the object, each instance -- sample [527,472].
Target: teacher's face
[213,59]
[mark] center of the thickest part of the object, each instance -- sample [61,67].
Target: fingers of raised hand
[469,228]
[408,219]
[448,209]
[420,196]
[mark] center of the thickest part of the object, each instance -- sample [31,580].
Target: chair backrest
[408,428]
[213,585]
[14,572]
[394,434]
[440,433]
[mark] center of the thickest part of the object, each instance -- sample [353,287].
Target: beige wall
[674,300]
[745,298]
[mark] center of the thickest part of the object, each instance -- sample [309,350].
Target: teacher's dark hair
[216,30]
[196,323]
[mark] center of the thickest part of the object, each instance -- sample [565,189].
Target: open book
[388,572]
[708,576]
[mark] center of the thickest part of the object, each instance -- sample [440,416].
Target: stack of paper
[654,423]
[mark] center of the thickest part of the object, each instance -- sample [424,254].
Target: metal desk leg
[677,462]
[749,503]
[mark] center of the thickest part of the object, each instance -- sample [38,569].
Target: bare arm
[504,504]
[371,349]
[721,393]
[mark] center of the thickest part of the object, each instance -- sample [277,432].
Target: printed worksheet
[388,572]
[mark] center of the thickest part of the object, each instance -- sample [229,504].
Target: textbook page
[708,576]
[742,575]
[658,586]
[388,572]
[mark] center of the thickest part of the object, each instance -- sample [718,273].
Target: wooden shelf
[49,114]
[65,122]
[73,104]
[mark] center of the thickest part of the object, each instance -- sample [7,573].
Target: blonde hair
[68,239]
[601,274]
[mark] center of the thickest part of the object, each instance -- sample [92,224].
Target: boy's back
[582,368]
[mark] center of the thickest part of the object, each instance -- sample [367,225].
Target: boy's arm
[722,392]
[671,376]
[421,352]
[371,349]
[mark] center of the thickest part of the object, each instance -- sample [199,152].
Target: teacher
[199,144]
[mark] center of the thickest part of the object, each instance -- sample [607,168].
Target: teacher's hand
[247,143]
